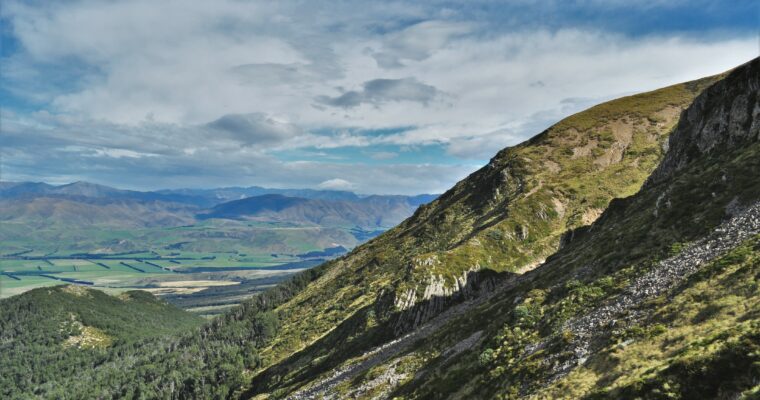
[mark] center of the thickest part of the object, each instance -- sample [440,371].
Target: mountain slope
[220,195]
[51,332]
[504,218]
[82,204]
[657,299]
[83,212]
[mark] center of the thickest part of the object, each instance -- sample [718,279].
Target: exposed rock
[324,388]
[663,277]
[437,296]
[559,207]
[585,150]
[466,344]
[723,116]
[387,380]
[591,215]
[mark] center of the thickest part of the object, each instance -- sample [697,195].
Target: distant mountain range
[84,203]
[372,211]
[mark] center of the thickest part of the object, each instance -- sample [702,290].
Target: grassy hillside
[657,299]
[506,217]
[52,332]
[526,336]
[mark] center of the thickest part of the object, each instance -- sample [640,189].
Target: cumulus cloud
[218,91]
[379,91]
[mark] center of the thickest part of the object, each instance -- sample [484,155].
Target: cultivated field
[206,267]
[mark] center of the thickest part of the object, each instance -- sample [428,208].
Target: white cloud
[216,88]
[336,184]
[416,43]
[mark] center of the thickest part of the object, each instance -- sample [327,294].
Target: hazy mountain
[369,212]
[76,212]
[236,193]
[79,190]
[84,203]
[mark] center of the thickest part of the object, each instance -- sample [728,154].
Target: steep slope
[505,218]
[657,299]
[51,332]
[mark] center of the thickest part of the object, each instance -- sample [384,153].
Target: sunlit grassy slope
[505,217]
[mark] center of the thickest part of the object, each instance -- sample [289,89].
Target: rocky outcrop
[324,388]
[724,116]
[438,295]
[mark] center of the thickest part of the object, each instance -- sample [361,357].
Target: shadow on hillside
[354,336]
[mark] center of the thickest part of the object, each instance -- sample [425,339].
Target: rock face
[725,115]
[437,296]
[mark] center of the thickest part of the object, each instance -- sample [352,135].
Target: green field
[216,262]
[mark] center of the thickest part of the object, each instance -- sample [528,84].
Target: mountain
[74,212]
[500,222]
[614,255]
[49,332]
[654,299]
[220,195]
[252,206]
[83,203]
[371,212]
[228,194]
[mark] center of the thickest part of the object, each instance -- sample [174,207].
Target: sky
[386,97]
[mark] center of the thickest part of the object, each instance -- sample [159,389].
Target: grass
[699,338]
[687,335]
[506,217]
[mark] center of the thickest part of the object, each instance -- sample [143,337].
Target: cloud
[480,147]
[336,184]
[416,43]
[383,155]
[156,155]
[217,92]
[256,128]
[379,91]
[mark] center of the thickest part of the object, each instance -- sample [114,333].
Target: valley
[117,241]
